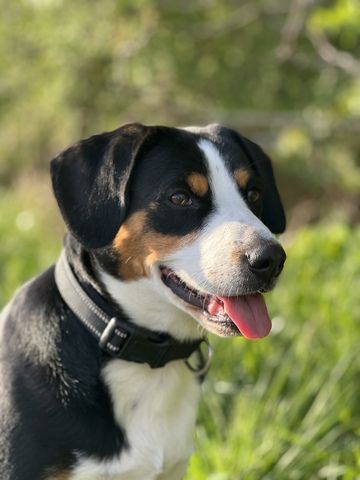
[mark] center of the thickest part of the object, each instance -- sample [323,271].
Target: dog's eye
[253,195]
[181,199]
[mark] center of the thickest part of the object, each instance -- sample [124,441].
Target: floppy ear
[90,183]
[273,214]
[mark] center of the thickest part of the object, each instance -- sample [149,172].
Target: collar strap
[117,337]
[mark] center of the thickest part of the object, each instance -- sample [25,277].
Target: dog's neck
[83,264]
[133,298]
[141,296]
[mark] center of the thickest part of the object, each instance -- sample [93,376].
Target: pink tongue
[249,313]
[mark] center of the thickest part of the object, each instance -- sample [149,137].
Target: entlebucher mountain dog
[170,235]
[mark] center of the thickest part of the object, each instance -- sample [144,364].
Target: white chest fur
[157,410]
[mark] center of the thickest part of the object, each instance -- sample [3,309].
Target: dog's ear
[90,183]
[273,214]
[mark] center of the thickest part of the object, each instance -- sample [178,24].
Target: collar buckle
[108,334]
[119,342]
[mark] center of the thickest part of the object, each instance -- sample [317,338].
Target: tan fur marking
[198,183]
[242,177]
[139,248]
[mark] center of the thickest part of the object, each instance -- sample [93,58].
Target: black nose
[268,261]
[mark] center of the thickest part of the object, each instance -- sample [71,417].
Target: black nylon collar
[117,337]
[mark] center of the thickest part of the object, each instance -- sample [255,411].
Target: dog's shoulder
[48,371]
[29,320]
[27,338]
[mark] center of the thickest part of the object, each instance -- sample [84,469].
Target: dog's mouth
[245,315]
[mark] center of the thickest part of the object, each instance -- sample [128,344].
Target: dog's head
[193,211]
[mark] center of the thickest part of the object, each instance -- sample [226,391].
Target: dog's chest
[157,411]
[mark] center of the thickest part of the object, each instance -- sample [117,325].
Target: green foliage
[30,235]
[268,68]
[287,407]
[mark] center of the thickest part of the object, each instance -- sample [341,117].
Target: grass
[284,408]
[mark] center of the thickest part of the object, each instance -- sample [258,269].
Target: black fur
[162,170]
[237,149]
[52,399]
[90,183]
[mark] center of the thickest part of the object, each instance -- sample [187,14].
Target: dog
[170,235]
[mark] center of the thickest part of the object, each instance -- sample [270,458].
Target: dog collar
[120,338]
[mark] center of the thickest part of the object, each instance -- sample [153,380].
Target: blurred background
[286,74]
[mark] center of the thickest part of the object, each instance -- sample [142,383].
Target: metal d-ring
[203,364]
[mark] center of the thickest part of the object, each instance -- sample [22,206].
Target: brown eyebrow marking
[198,183]
[242,177]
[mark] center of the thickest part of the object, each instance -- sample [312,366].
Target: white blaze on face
[212,261]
